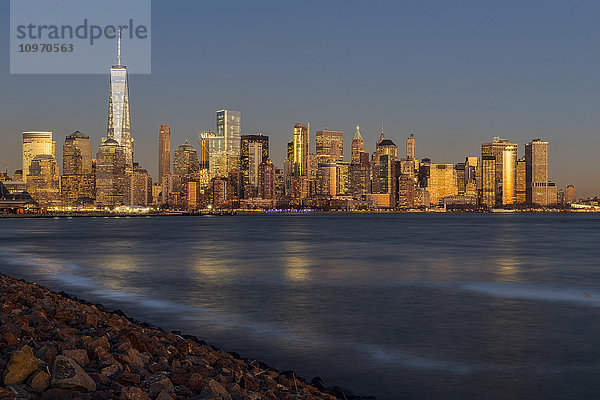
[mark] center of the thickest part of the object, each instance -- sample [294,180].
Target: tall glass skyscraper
[225,146]
[119,120]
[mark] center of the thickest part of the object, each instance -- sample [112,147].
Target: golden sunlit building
[43,181]
[441,183]
[521,182]
[34,144]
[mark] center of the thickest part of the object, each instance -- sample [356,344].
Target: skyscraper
[570,194]
[509,175]
[441,183]
[119,119]
[77,154]
[204,156]
[330,145]
[185,160]
[521,185]
[78,180]
[300,147]
[111,174]
[358,146]
[43,180]
[539,189]
[34,144]
[496,149]
[255,158]
[164,151]
[411,147]
[266,180]
[225,146]
[248,142]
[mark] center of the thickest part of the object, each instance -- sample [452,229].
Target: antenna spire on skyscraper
[119,46]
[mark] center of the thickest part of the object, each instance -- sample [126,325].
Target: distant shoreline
[274,212]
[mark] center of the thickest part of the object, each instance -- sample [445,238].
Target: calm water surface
[397,306]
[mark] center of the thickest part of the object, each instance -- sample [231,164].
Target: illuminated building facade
[34,144]
[540,190]
[111,174]
[521,182]
[185,160]
[494,197]
[509,175]
[119,118]
[164,151]
[329,145]
[225,146]
[78,182]
[140,184]
[266,180]
[204,156]
[441,183]
[43,180]
[358,146]
[300,148]
[570,194]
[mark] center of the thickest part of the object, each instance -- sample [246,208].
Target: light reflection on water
[425,306]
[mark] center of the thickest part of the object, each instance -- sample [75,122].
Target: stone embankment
[53,346]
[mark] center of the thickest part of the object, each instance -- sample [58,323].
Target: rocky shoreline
[54,346]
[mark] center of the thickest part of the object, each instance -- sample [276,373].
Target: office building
[570,194]
[35,144]
[441,183]
[185,160]
[140,184]
[358,146]
[225,146]
[509,175]
[493,191]
[300,150]
[111,174]
[119,118]
[164,151]
[329,146]
[539,189]
[43,181]
[521,182]
[266,180]
[78,182]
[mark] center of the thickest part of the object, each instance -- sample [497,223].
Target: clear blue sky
[457,73]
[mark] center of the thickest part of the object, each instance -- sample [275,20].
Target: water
[406,306]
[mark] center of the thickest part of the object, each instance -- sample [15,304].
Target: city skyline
[447,127]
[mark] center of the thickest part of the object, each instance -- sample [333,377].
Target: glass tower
[119,120]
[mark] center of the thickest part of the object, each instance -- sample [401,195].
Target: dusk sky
[457,73]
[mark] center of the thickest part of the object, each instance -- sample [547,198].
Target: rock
[100,342]
[206,396]
[40,381]
[56,394]
[110,370]
[163,396]
[10,339]
[80,355]
[133,393]
[249,384]
[20,366]
[67,374]
[133,357]
[6,394]
[195,382]
[162,385]
[47,353]
[215,387]
[128,379]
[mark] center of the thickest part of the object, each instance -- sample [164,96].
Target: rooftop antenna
[119,46]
